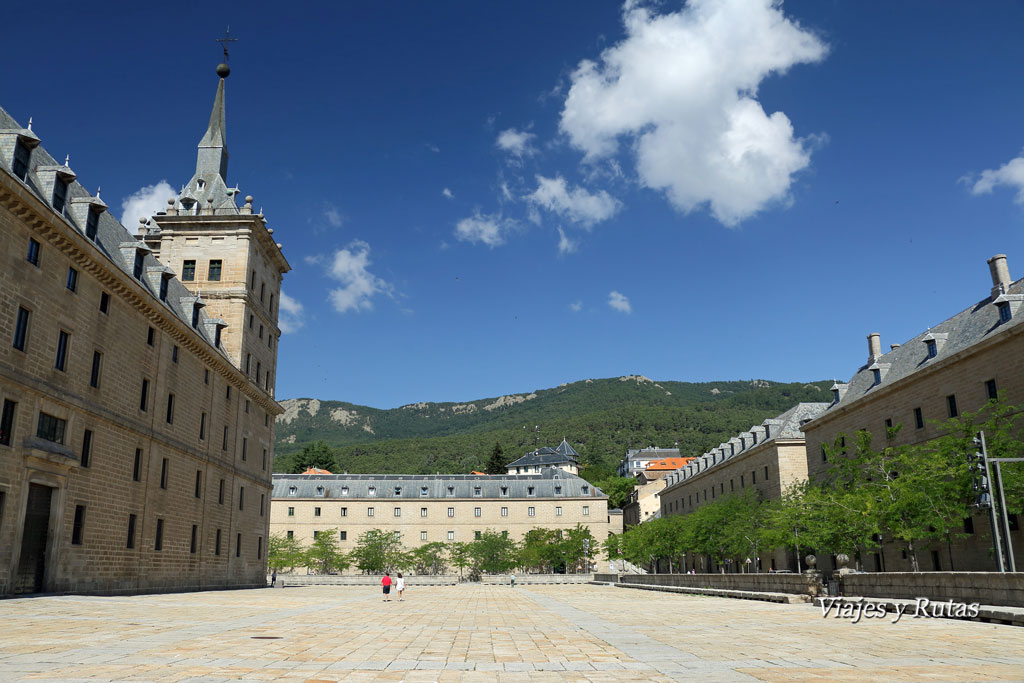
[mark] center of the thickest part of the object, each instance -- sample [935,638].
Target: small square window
[423,512]
[369,512]
[477,512]
[558,511]
[586,510]
[291,511]
[451,512]
[316,512]
[342,535]
[344,512]
[531,512]
[423,535]
[451,535]
[398,512]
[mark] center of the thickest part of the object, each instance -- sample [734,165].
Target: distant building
[562,457]
[953,367]
[642,503]
[637,460]
[137,425]
[767,458]
[435,508]
[658,469]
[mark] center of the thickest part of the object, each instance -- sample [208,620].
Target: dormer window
[476,491]
[216,336]
[932,348]
[22,159]
[768,428]
[92,224]
[164,280]
[529,490]
[423,491]
[835,395]
[320,491]
[140,258]
[196,307]
[877,375]
[586,490]
[558,490]
[1004,312]
[292,490]
[451,490]
[60,195]
[398,490]
[504,490]
[372,491]
[200,184]
[344,490]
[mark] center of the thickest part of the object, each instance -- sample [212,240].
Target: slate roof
[114,241]
[550,483]
[545,456]
[788,425]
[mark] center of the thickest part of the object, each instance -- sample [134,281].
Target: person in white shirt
[400,586]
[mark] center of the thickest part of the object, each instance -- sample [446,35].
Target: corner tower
[224,254]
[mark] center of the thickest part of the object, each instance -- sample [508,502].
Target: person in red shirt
[386,583]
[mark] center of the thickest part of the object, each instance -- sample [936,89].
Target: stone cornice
[244,224]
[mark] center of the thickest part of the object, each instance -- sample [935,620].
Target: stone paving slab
[481,633]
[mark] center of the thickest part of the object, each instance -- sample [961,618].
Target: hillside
[600,417]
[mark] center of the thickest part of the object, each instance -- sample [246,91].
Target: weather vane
[225,40]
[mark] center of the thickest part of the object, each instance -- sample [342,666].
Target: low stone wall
[523,579]
[606,578]
[987,588]
[800,584]
[361,580]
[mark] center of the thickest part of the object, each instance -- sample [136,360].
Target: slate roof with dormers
[550,483]
[788,425]
[546,456]
[113,240]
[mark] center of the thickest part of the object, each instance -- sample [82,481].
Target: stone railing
[522,579]
[800,584]
[987,588]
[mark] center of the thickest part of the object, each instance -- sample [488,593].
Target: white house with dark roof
[563,457]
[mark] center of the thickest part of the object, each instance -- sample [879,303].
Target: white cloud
[488,229]
[332,215]
[506,193]
[682,87]
[447,194]
[619,302]
[576,204]
[576,306]
[292,316]
[349,267]
[146,201]
[566,245]
[518,143]
[1010,174]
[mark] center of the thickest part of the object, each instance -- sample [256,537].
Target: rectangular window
[22,159]
[369,512]
[504,512]
[140,259]
[259,367]
[214,274]
[248,363]
[92,224]
[104,303]
[50,428]
[1004,313]
[423,512]
[451,535]
[63,342]
[174,353]
[164,281]
[968,525]
[7,422]
[586,510]
[261,330]
[264,459]
[86,458]
[423,535]
[170,409]
[476,535]
[188,271]
[224,439]
[227,394]
[94,376]
[990,389]
[291,511]
[60,195]
[753,478]
[220,493]
[398,512]
[477,512]
[144,399]
[163,473]
[316,512]
[241,497]
[259,547]
[78,526]
[150,336]
[216,547]
[130,543]
[158,540]
[766,472]
[342,535]
[531,512]
[202,426]
[33,252]
[192,542]
[263,290]
[451,512]
[263,502]
[238,545]
[951,405]
[245,445]
[918,418]
[21,329]
[199,483]
[137,466]
[72,283]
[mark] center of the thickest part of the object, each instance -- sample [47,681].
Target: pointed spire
[213,152]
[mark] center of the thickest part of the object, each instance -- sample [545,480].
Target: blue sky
[488,198]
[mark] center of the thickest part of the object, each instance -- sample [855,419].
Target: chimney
[874,347]
[893,347]
[1000,274]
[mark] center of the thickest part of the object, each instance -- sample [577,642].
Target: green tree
[459,555]
[317,454]
[579,547]
[493,552]
[540,550]
[284,552]
[378,551]
[617,489]
[496,464]
[323,556]
[430,558]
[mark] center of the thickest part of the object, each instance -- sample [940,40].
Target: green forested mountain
[601,418]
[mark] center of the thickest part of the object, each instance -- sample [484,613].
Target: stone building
[136,436]
[435,508]
[767,458]
[563,457]
[951,368]
[636,460]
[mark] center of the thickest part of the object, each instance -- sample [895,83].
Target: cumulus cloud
[1010,174]
[484,228]
[146,201]
[292,315]
[349,266]
[447,194]
[518,143]
[575,204]
[682,87]
[332,215]
[576,306]
[619,302]
[566,245]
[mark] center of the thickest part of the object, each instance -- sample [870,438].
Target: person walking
[400,586]
[273,579]
[386,583]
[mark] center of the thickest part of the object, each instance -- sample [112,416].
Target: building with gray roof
[563,457]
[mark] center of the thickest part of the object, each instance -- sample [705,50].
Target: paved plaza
[482,633]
